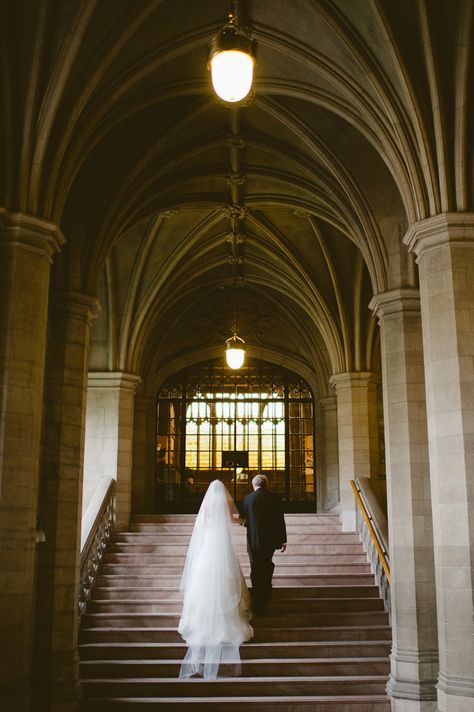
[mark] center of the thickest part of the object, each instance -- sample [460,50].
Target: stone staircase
[323,645]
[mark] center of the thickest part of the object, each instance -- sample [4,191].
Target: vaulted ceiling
[356,127]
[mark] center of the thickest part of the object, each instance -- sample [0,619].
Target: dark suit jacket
[264,520]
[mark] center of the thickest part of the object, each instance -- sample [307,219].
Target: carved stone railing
[98,524]
[373,531]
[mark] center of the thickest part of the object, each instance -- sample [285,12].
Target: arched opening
[215,422]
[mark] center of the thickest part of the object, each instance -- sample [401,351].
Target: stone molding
[461,686]
[412,655]
[354,379]
[113,379]
[405,300]
[82,306]
[30,233]
[438,231]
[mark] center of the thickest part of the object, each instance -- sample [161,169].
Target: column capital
[113,379]
[354,379]
[30,233]
[405,300]
[438,231]
[327,404]
[82,306]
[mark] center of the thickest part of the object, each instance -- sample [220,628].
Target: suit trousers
[261,572]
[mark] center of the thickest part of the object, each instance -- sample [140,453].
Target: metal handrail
[381,551]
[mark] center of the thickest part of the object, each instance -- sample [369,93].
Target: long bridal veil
[216,608]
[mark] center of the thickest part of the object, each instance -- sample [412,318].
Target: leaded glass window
[214,422]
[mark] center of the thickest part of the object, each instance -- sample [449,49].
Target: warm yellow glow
[235,357]
[232,76]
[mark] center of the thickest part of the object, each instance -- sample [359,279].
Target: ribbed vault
[352,133]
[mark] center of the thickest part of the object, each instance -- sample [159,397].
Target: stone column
[144,449]
[357,434]
[109,434]
[414,659]
[444,247]
[56,671]
[27,245]
[328,444]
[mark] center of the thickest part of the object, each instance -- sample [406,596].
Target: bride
[216,608]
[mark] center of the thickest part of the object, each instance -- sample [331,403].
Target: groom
[266,532]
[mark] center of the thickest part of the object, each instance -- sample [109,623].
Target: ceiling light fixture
[235,345]
[235,351]
[231,60]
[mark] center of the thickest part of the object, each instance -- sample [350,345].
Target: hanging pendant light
[235,351]
[231,61]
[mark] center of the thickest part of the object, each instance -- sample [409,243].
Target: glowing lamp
[231,61]
[235,352]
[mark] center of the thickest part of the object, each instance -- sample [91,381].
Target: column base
[348,521]
[414,675]
[455,694]
[398,705]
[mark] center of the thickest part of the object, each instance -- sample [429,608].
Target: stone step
[184,518]
[249,651]
[286,606]
[301,568]
[296,550]
[184,527]
[166,556]
[166,620]
[295,667]
[237,686]
[239,538]
[149,634]
[289,703]
[115,592]
[302,580]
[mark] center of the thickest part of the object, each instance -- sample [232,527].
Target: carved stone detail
[95,549]
[236,178]
[236,211]
[301,213]
[236,141]
[237,238]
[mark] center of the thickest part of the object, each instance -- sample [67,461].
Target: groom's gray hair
[260,481]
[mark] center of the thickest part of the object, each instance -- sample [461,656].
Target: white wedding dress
[216,607]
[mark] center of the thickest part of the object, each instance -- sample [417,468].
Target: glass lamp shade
[232,74]
[235,352]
